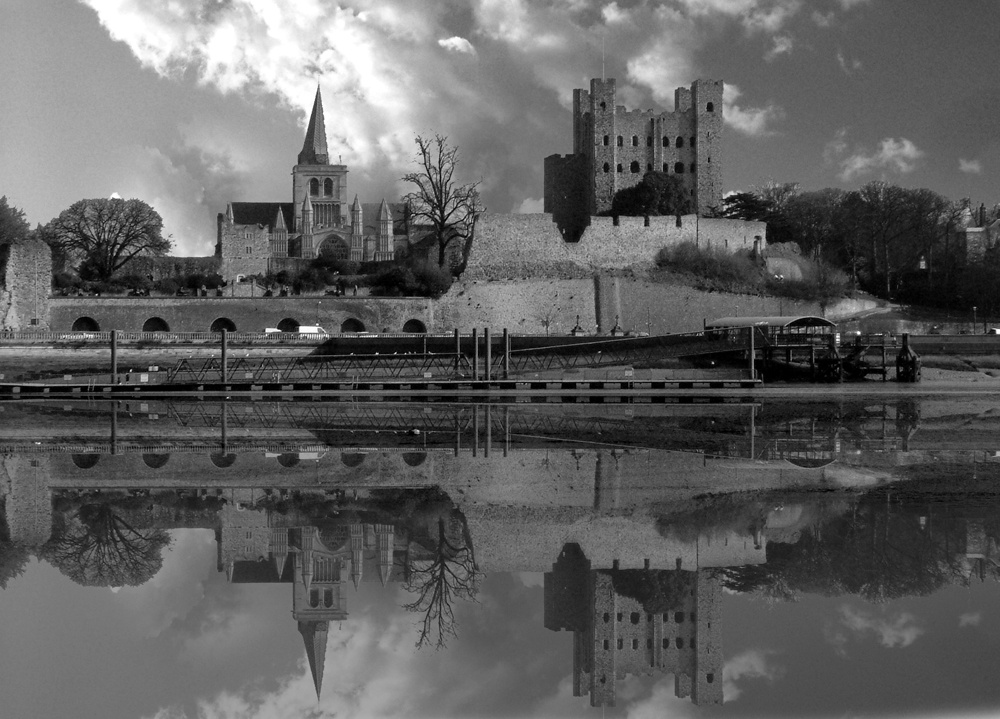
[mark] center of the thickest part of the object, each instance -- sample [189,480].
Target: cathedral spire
[314,635]
[314,150]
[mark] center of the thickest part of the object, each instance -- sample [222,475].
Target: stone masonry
[25,285]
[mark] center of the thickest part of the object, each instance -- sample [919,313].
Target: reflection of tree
[446,572]
[97,547]
[13,560]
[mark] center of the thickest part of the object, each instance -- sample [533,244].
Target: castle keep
[613,148]
[261,237]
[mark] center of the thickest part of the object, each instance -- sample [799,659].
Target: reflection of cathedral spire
[357,552]
[384,539]
[314,634]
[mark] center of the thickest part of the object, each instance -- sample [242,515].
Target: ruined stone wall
[25,285]
[243,249]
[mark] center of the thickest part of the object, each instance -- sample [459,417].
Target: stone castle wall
[518,246]
[25,285]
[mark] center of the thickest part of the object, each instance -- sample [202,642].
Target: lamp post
[779,278]
[974,320]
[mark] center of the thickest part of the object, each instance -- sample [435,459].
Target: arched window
[634,167]
[288,325]
[328,598]
[649,167]
[607,139]
[328,187]
[635,141]
[679,168]
[352,325]
[679,142]
[619,168]
[607,167]
[155,324]
[710,107]
[666,142]
[85,324]
[314,187]
[649,140]
[313,598]
[621,141]
[223,323]
[415,327]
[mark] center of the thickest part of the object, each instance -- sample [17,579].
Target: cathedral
[256,238]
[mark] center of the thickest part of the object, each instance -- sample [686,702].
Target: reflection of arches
[155,324]
[85,324]
[352,459]
[288,325]
[223,323]
[415,327]
[155,461]
[221,460]
[288,459]
[335,247]
[352,325]
[86,461]
[414,459]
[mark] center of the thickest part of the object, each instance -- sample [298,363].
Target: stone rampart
[514,246]
[25,285]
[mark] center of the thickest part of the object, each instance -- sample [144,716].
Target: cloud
[970,619]
[753,121]
[849,67]
[751,664]
[782,46]
[848,4]
[892,156]
[897,631]
[457,44]
[971,167]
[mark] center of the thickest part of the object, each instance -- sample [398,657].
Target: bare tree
[448,209]
[449,572]
[107,233]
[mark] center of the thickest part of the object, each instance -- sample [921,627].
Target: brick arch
[222,460]
[415,327]
[222,323]
[86,461]
[352,324]
[155,324]
[289,325]
[155,461]
[85,324]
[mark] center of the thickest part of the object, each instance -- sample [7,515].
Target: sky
[190,104]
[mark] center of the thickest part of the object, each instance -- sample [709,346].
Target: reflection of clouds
[531,579]
[970,619]
[751,664]
[899,630]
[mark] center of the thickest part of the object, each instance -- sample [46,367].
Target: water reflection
[640,518]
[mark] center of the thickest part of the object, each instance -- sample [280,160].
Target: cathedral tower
[315,177]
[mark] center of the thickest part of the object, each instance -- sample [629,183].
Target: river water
[302,558]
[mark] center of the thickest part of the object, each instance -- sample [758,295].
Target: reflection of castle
[673,626]
[254,547]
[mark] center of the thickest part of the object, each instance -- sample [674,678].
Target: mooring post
[475,428]
[114,356]
[225,355]
[752,353]
[114,427]
[506,354]
[489,354]
[458,350]
[475,354]
[488,442]
[225,427]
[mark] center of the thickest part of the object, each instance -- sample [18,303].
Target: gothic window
[679,168]
[635,141]
[634,167]
[619,168]
[607,139]
[621,141]
[710,107]
[314,598]
[607,167]
[328,187]
[328,598]
[314,187]
[679,142]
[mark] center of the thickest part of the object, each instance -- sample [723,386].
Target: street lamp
[779,278]
[974,321]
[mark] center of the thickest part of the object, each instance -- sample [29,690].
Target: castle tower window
[621,643]
[710,107]
[634,617]
[607,139]
[692,142]
[621,141]
[692,167]
[679,142]
[649,140]
[607,645]
[709,678]
[649,167]
[634,167]
[678,617]
[314,187]
[679,168]
[666,642]
[666,142]
[619,168]
[604,105]
[635,141]
[666,168]
[328,187]
[635,643]
[680,643]
[607,167]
